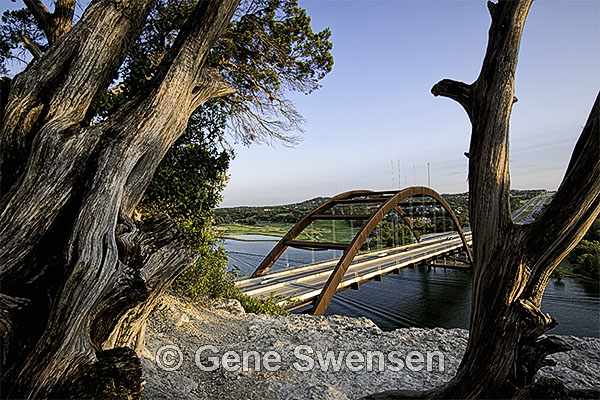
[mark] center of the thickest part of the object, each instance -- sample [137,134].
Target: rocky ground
[184,327]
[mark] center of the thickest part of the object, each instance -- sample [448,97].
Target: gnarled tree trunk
[512,263]
[78,276]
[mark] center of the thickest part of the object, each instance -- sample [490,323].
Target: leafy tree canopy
[189,180]
[268,50]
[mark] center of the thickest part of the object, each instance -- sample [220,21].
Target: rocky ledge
[194,352]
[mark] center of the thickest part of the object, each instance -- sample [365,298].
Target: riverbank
[260,228]
[225,326]
[248,238]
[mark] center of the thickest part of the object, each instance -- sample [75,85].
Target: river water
[425,298]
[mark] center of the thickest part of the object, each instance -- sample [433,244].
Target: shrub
[209,279]
[585,258]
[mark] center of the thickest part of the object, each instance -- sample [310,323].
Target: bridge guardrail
[395,257]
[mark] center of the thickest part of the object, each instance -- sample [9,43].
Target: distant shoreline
[236,237]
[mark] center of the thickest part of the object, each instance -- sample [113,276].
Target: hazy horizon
[315,197]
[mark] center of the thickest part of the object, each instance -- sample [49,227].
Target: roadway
[305,283]
[535,204]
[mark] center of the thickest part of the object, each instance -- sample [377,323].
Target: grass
[325,231]
[321,231]
[261,228]
[318,231]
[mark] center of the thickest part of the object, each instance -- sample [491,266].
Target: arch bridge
[387,202]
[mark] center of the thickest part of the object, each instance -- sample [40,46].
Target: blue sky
[375,107]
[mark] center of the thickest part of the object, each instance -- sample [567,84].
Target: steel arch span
[389,200]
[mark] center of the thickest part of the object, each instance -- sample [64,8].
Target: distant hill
[292,213]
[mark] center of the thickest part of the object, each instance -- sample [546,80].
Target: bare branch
[488,102]
[261,120]
[492,8]
[32,46]
[62,19]
[41,15]
[210,84]
[55,24]
[491,101]
[457,91]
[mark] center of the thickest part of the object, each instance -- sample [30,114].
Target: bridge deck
[305,283]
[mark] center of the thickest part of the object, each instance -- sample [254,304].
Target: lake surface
[421,298]
[247,252]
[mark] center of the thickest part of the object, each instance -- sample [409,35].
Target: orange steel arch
[349,197]
[322,301]
[318,213]
[390,201]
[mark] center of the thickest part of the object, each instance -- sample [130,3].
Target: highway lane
[254,283]
[521,210]
[304,282]
[309,287]
[537,206]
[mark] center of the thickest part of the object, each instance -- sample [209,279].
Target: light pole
[428,176]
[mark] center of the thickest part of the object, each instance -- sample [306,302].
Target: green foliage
[270,48]
[290,213]
[264,305]
[187,187]
[390,232]
[190,178]
[593,233]
[269,219]
[558,274]
[585,258]
[589,264]
[17,24]
[208,278]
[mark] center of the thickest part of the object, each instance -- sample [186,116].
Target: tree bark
[55,24]
[513,263]
[87,274]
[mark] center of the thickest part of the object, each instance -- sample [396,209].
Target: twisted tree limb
[512,262]
[91,274]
